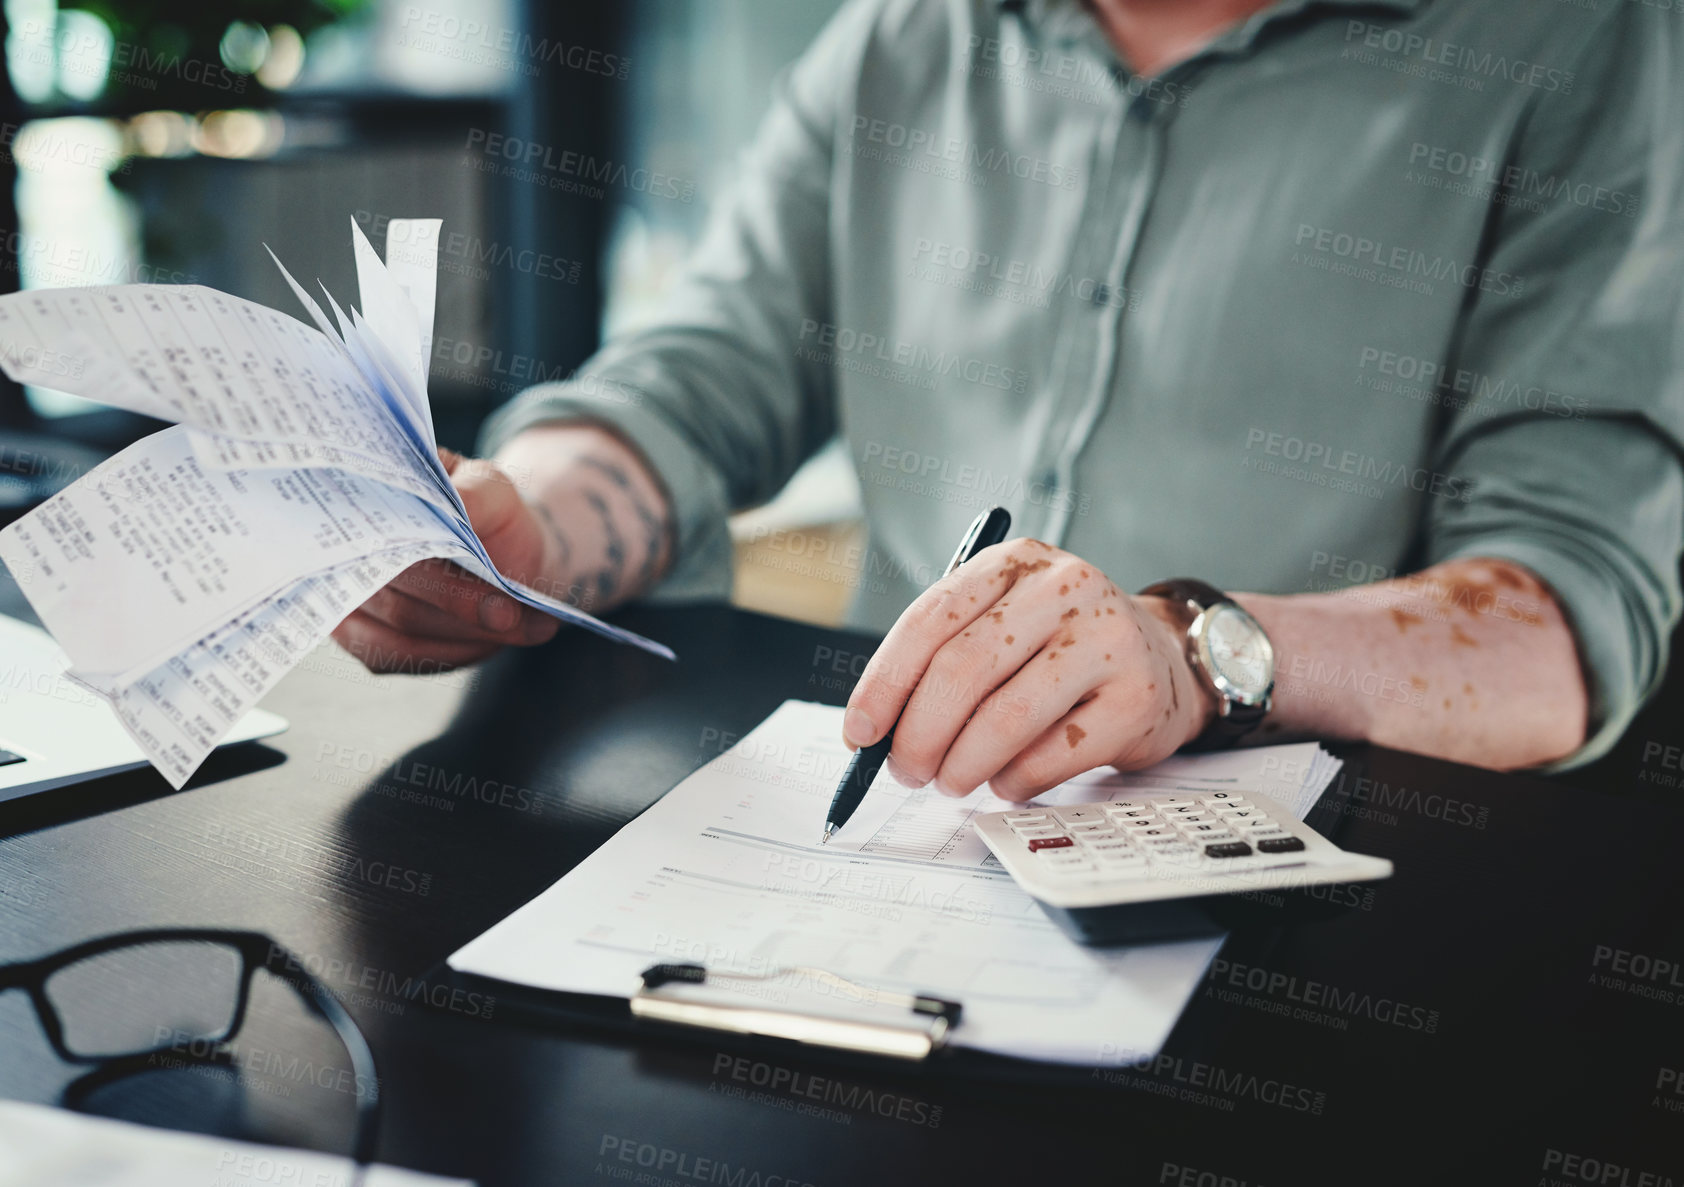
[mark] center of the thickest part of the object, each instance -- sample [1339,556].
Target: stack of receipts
[186,575]
[723,871]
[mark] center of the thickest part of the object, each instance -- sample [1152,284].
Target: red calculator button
[1050,843]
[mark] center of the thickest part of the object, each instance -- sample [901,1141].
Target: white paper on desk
[48,1147]
[724,871]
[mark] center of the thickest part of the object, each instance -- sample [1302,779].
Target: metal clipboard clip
[910,1026]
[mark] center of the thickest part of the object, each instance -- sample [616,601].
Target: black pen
[986,530]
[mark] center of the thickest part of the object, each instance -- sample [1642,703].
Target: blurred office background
[168,141]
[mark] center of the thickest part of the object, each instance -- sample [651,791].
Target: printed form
[724,871]
[186,575]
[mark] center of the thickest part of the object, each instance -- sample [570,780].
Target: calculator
[1166,866]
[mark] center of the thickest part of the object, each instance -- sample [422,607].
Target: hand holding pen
[986,530]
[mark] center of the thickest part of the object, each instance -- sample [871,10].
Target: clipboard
[862,1018]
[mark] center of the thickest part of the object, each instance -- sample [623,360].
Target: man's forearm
[1471,660]
[608,520]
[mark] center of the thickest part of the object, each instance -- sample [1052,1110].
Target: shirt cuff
[695,489]
[1608,645]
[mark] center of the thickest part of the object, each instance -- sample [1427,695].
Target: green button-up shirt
[1358,288]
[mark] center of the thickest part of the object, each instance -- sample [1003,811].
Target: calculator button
[1236,802]
[1131,813]
[1218,797]
[1279,845]
[1185,810]
[1228,849]
[1266,833]
[1162,831]
[1220,835]
[1127,806]
[1060,842]
[1092,826]
[1178,855]
[1030,834]
[1090,812]
[1198,829]
[1017,818]
[1167,801]
[1107,845]
[1241,814]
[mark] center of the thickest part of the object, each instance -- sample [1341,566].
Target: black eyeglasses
[200,981]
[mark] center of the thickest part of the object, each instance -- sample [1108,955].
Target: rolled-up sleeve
[1567,390]
[717,394]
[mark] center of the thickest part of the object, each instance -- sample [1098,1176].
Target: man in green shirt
[1373,308]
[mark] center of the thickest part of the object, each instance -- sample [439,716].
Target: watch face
[1239,652]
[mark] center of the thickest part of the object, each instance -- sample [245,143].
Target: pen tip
[829,832]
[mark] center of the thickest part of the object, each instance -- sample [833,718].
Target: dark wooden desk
[1496,1009]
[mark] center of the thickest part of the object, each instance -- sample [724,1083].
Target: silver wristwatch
[1231,651]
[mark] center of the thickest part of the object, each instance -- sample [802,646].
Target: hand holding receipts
[186,575]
